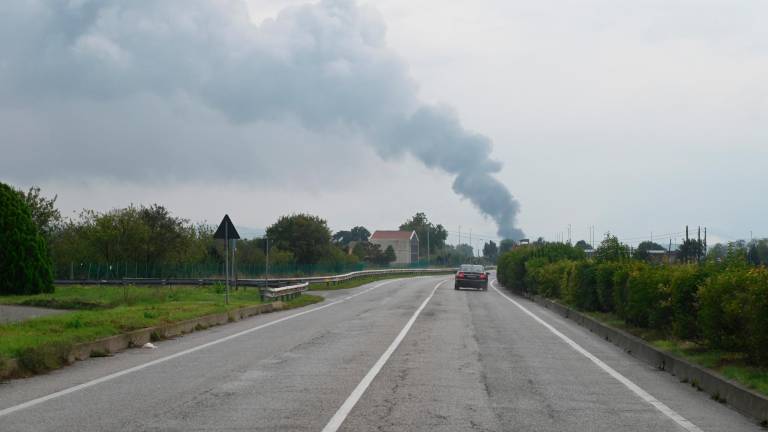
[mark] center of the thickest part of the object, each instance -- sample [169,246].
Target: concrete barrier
[720,388]
[9,368]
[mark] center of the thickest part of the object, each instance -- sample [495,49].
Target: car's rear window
[471,268]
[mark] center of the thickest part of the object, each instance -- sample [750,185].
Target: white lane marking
[105,378]
[335,423]
[644,395]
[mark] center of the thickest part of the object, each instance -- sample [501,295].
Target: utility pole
[428,246]
[471,248]
[698,246]
[234,263]
[706,249]
[569,233]
[669,251]
[266,272]
[226,263]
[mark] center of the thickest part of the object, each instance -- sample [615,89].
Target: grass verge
[730,365]
[354,283]
[43,343]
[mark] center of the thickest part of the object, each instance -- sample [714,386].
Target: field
[100,311]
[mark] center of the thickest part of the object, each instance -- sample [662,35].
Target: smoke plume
[324,65]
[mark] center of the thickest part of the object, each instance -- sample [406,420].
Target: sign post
[226,231]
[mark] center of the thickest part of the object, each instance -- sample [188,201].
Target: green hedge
[25,266]
[724,307]
[513,265]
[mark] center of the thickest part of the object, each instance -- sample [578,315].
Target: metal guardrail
[286,292]
[352,275]
[267,286]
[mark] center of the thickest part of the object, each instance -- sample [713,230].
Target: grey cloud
[325,66]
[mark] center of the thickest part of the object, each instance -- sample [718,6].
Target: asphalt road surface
[19,313]
[400,355]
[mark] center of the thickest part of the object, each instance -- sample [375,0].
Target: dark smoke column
[324,66]
[435,136]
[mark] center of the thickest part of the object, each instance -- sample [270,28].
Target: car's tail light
[483,276]
[460,275]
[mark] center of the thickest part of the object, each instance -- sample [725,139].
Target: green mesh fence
[121,270]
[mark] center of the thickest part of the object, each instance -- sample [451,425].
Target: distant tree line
[149,241]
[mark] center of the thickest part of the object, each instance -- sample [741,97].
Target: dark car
[471,276]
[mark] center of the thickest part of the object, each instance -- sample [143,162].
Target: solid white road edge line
[109,377]
[644,395]
[336,421]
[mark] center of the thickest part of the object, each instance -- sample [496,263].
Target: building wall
[402,249]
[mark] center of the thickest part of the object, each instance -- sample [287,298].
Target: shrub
[535,274]
[722,310]
[579,289]
[757,315]
[684,284]
[547,279]
[620,278]
[512,270]
[647,300]
[25,266]
[604,283]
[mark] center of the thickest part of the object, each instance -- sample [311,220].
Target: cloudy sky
[634,117]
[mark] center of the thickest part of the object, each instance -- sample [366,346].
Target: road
[19,313]
[400,355]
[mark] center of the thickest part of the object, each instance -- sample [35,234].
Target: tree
[360,234]
[611,250]
[583,245]
[757,253]
[506,245]
[361,251]
[44,212]
[166,236]
[389,254]
[344,238]
[718,252]
[337,260]
[691,250]
[491,251]
[251,254]
[464,250]
[437,233]
[307,237]
[642,251]
[25,266]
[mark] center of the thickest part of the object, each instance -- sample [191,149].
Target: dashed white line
[336,421]
[644,395]
[109,377]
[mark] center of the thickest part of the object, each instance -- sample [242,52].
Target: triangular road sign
[226,230]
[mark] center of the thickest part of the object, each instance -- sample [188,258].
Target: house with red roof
[405,244]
